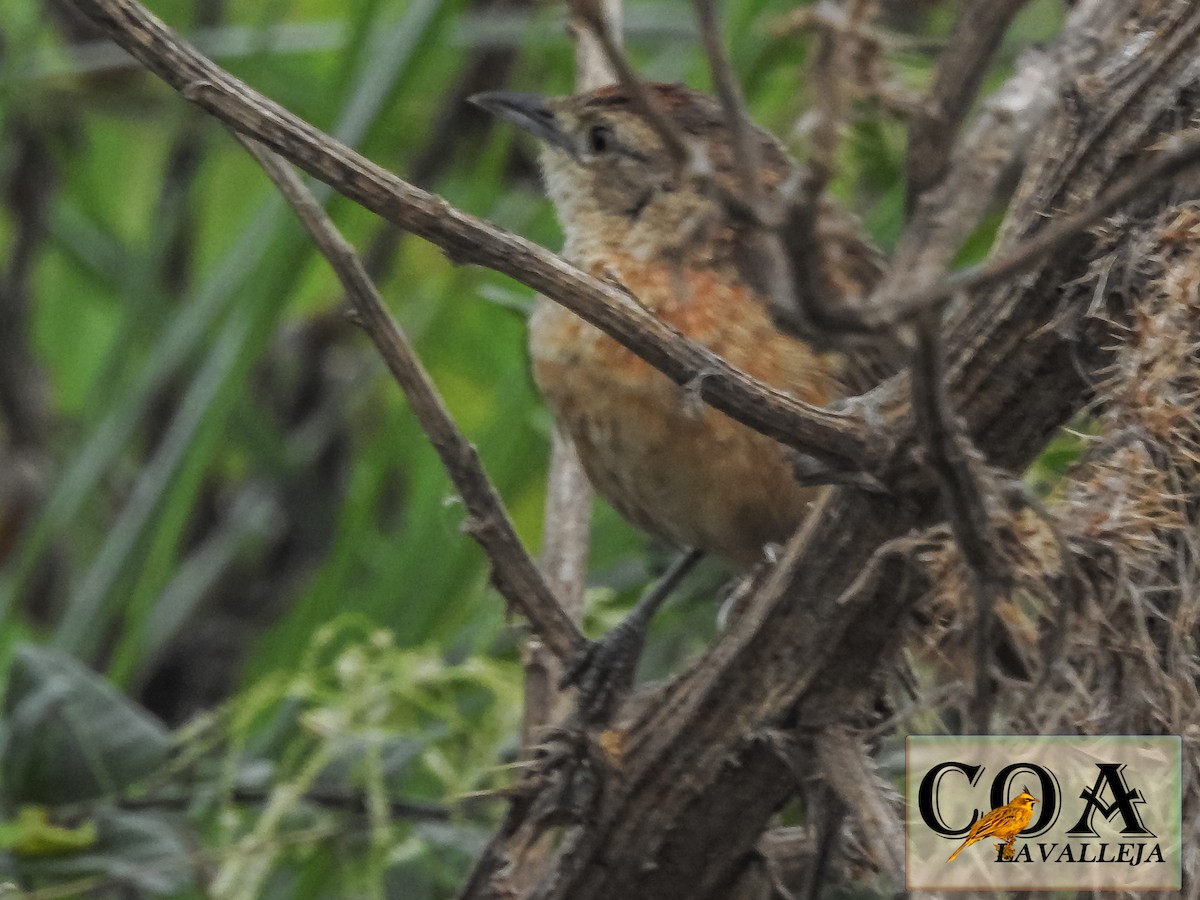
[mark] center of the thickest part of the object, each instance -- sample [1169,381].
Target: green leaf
[69,735]
[31,834]
[142,851]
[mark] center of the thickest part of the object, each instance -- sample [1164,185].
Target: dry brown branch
[990,146]
[513,571]
[729,92]
[847,767]
[830,76]
[811,299]
[956,80]
[563,561]
[840,437]
[951,458]
[801,291]
[885,310]
[1176,155]
[568,512]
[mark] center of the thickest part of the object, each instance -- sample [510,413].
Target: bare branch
[843,438]
[830,74]
[847,768]
[566,522]
[949,455]
[960,70]
[563,560]
[1176,155]
[812,303]
[947,212]
[888,307]
[745,147]
[591,15]
[513,572]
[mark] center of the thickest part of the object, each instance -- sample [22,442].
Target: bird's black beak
[530,112]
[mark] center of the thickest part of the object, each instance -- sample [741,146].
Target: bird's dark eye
[600,138]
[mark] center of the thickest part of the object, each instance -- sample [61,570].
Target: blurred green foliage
[217,491]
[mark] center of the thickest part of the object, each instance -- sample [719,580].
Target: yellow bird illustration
[1004,822]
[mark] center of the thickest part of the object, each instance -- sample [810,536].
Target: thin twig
[513,571]
[566,521]
[812,303]
[563,562]
[990,147]
[733,105]
[947,454]
[885,310]
[828,77]
[590,14]
[1176,155]
[956,81]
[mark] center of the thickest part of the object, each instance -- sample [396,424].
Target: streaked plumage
[1004,822]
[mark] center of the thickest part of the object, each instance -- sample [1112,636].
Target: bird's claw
[603,671]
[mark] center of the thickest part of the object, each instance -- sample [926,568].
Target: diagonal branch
[733,105]
[840,437]
[590,14]
[1010,117]
[513,572]
[960,70]
[1176,155]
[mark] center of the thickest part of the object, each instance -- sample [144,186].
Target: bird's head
[1025,800]
[614,182]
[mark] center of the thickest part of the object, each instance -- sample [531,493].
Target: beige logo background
[1152,766]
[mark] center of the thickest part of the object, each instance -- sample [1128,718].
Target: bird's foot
[603,671]
[1008,849]
[743,587]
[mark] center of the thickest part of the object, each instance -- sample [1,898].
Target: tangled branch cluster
[1123,658]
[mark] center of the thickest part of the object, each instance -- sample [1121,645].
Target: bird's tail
[960,849]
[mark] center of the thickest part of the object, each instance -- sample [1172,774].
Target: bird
[672,466]
[1004,822]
